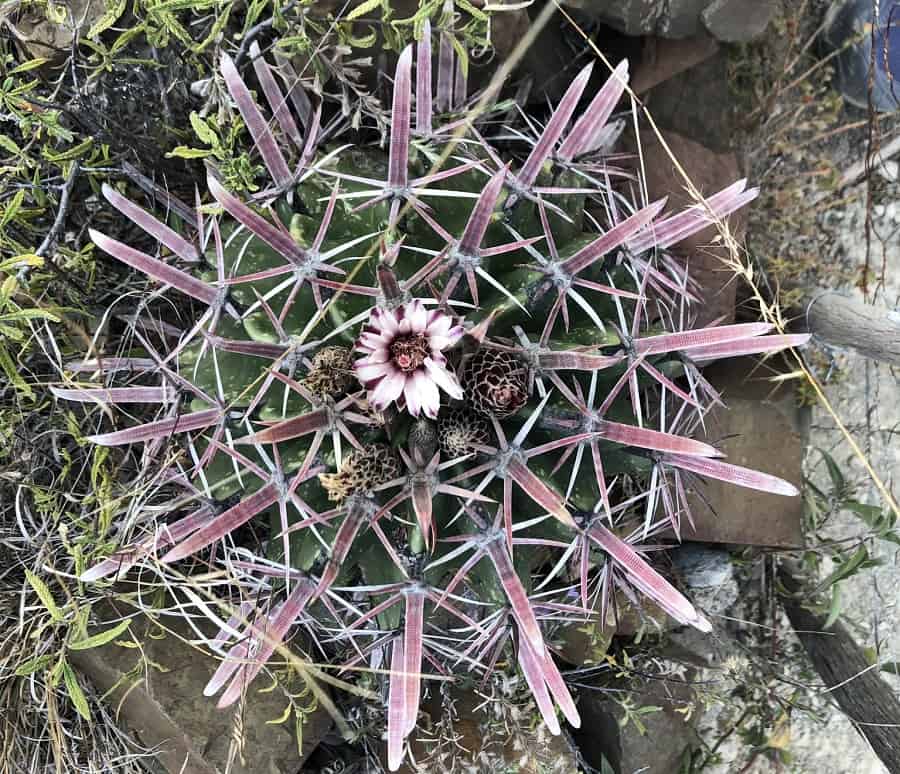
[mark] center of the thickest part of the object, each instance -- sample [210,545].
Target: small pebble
[201,88]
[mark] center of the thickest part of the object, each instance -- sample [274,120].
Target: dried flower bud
[361,471]
[331,374]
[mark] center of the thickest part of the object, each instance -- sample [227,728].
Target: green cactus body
[424,381]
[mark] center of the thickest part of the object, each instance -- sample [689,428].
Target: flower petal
[384,321]
[444,379]
[388,390]
[439,324]
[367,372]
[423,392]
[417,316]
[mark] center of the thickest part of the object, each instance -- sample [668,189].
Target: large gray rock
[708,574]
[727,20]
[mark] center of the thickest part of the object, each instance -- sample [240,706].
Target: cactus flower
[403,358]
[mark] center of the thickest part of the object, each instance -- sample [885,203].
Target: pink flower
[402,358]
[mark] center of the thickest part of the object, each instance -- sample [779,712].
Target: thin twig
[53,234]
[254,32]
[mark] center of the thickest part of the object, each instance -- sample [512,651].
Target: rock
[737,21]
[662,59]
[463,733]
[710,172]
[760,428]
[669,734]
[48,30]
[167,711]
[698,103]
[728,20]
[586,643]
[703,567]
[708,575]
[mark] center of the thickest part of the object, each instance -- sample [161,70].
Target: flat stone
[698,103]
[167,711]
[760,428]
[710,172]
[672,19]
[737,21]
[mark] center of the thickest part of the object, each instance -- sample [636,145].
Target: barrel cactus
[444,380]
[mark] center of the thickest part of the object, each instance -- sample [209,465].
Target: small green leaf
[849,567]
[283,719]
[29,314]
[57,13]
[837,478]
[15,204]
[362,9]
[183,152]
[475,13]
[891,667]
[834,611]
[79,700]
[363,42]
[202,129]
[870,514]
[8,144]
[40,588]
[70,154]
[101,638]
[33,665]
[462,53]
[114,9]
[31,64]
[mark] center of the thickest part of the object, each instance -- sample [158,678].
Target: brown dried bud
[361,471]
[331,374]
[496,383]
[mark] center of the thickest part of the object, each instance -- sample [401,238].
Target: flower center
[409,352]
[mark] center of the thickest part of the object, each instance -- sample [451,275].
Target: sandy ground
[866,396]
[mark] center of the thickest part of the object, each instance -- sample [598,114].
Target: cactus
[450,377]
